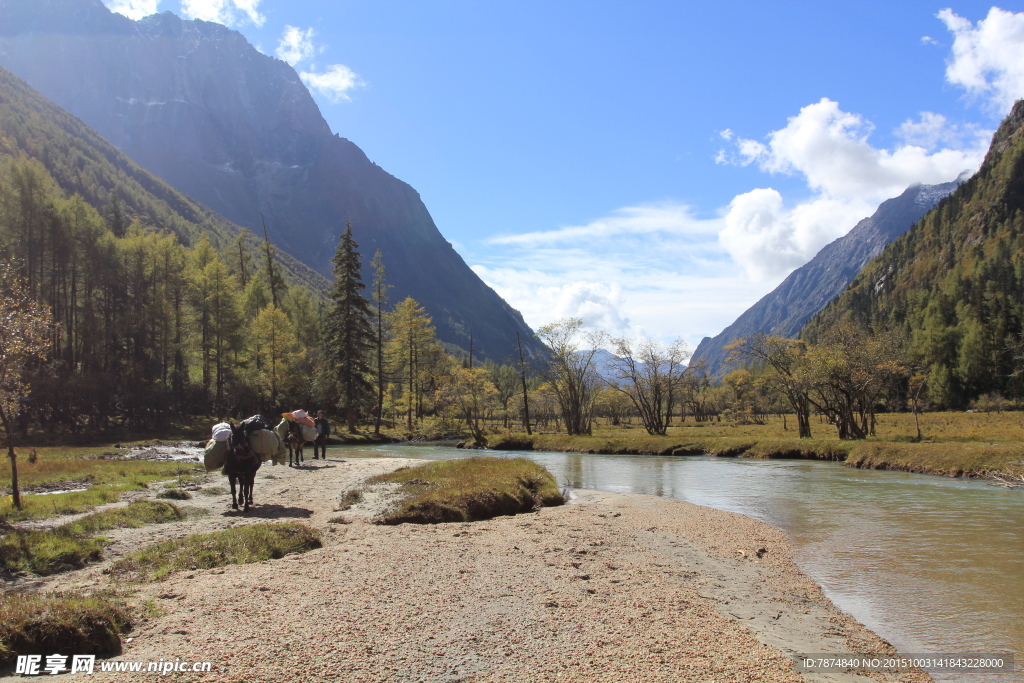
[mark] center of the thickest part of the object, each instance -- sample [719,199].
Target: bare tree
[24,335]
[570,371]
[785,365]
[650,374]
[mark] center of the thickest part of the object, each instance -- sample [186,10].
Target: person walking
[323,430]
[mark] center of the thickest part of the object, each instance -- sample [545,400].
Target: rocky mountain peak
[197,105]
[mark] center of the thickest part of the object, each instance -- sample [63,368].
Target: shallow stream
[932,564]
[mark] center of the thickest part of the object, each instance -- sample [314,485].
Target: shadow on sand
[270,511]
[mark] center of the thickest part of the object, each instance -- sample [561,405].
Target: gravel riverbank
[609,588]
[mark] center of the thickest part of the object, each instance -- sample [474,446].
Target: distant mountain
[809,288]
[955,281]
[237,130]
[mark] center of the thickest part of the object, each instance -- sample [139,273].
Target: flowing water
[932,564]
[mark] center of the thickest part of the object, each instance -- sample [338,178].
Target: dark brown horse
[295,442]
[241,464]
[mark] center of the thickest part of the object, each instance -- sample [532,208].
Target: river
[932,564]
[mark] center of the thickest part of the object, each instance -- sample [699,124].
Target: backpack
[255,423]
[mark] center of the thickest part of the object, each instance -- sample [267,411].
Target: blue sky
[654,167]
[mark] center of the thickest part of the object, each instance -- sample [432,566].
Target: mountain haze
[237,130]
[809,288]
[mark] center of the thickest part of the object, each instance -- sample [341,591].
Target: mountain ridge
[954,282]
[237,130]
[808,289]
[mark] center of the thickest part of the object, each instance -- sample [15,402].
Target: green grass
[239,545]
[64,623]
[136,514]
[467,490]
[70,546]
[46,552]
[74,468]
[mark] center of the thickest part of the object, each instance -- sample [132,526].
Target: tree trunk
[15,493]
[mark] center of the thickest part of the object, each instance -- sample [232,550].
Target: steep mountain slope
[955,281]
[810,287]
[82,162]
[196,104]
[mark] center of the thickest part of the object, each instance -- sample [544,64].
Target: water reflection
[933,564]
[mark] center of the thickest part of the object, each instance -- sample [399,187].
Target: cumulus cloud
[334,83]
[830,149]
[133,9]
[227,12]
[768,240]
[848,177]
[295,45]
[988,59]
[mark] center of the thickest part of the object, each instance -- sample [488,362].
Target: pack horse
[295,429]
[241,463]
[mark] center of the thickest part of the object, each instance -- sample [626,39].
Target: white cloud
[607,293]
[295,45]
[928,40]
[661,268]
[933,130]
[848,178]
[769,241]
[334,83]
[988,59]
[133,9]
[666,218]
[637,268]
[830,149]
[227,12]
[928,132]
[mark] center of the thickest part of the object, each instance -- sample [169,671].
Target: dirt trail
[611,588]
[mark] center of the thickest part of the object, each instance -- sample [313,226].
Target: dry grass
[44,624]
[968,459]
[468,490]
[956,444]
[239,545]
[175,494]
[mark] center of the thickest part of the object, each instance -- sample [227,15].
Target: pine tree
[380,299]
[349,337]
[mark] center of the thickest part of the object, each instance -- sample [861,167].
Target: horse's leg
[247,490]
[234,499]
[290,455]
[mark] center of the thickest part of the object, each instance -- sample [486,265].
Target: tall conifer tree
[349,336]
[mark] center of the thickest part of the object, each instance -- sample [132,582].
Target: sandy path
[611,588]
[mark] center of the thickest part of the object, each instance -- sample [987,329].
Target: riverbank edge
[968,460]
[732,549]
